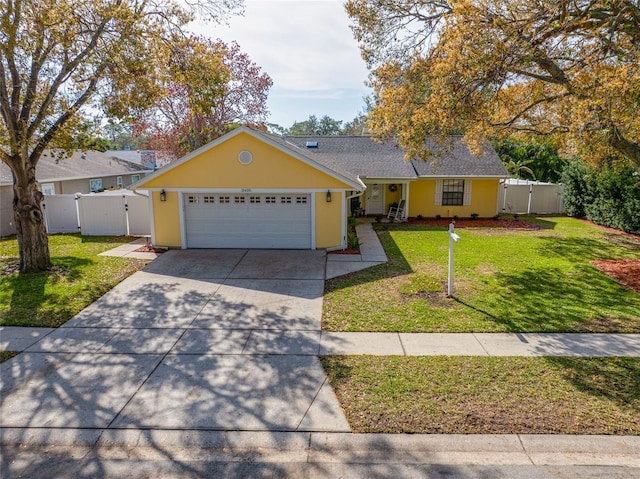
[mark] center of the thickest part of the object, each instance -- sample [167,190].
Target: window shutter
[467,193]
[438,192]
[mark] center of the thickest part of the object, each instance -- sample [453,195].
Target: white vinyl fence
[61,213]
[97,215]
[532,197]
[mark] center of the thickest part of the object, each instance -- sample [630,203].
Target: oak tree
[60,57]
[567,69]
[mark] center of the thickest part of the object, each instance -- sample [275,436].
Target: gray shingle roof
[368,158]
[454,159]
[358,154]
[328,161]
[80,165]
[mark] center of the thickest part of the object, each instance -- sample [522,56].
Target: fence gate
[61,214]
[138,215]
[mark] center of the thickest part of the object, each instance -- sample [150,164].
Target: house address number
[246,190]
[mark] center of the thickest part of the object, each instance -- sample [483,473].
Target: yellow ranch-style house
[251,189]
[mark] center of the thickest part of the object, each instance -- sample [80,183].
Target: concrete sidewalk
[371,254]
[253,339]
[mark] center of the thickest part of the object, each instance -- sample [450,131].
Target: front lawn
[505,281]
[78,277]
[487,395]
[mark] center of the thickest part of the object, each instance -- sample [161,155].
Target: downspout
[356,196]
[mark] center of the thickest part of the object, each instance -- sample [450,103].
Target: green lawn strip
[6,355]
[505,281]
[487,395]
[78,277]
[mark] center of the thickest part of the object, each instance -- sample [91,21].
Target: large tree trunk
[33,243]
[629,149]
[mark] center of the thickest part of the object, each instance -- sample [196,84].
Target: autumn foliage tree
[214,87]
[569,69]
[58,57]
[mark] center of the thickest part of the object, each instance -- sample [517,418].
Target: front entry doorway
[375,200]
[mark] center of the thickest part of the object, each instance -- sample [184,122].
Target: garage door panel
[248,221]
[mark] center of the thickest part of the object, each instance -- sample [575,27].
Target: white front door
[375,200]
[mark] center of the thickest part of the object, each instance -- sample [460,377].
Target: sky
[308,50]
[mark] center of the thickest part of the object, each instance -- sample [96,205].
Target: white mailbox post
[453,238]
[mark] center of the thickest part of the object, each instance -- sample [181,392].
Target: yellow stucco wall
[484,198]
[270,168]
[328,220]
[166,220]
[219,167]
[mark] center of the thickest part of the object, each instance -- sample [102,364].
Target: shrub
[352,241]
[574,181]
[610,197]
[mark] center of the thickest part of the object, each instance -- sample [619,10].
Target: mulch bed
[345,251]
[624,271]
[505,223]
[149,249]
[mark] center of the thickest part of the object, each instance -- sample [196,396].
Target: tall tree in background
[358,126]
[563,68]
[529,159]
[325,126]
[58,56]
[213,88]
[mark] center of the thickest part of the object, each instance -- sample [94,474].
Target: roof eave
[355,183]
[463,176]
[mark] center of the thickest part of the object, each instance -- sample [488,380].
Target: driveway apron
[197,340]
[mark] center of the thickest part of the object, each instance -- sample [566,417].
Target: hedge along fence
[609,197]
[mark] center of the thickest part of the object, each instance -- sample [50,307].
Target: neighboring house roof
[80,165]
[372,159]
[146,158]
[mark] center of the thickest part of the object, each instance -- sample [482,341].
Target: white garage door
[248,221]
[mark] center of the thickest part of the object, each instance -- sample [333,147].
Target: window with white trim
[452,192]
[95,185]
[48,189]
[135,178]
[119,181]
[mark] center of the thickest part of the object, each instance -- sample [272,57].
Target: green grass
[78,277]
[6,355]
[484,395]
[505,281]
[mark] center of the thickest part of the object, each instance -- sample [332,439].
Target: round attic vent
[245,157]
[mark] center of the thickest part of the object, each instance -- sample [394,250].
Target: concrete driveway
[198,340]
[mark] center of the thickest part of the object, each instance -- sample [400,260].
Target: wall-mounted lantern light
[328,196]
[163,195]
